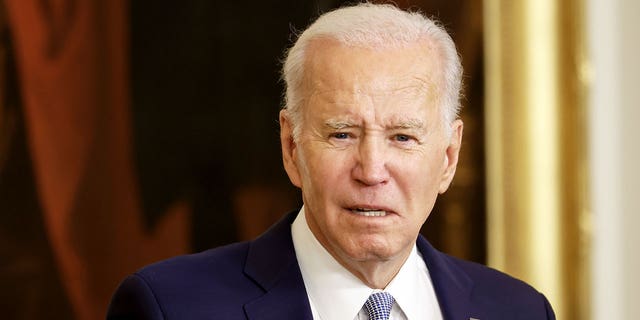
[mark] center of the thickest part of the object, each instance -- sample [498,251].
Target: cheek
[321,172]
[326,164]
[419,179]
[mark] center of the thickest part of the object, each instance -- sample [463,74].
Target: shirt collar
[332,289]
[336,292]
[413,291]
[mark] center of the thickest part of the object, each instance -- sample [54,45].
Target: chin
[369,251]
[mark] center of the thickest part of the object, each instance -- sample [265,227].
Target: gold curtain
[538,229]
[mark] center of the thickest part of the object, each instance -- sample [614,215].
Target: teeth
[370,212]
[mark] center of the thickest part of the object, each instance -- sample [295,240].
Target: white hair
[370,25]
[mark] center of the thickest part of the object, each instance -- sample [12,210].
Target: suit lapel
[452,285]
[271,263]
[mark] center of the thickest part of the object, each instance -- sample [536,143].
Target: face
[373,153]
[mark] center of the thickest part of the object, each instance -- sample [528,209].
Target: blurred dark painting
[132,131]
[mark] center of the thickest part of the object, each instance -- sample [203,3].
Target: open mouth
[369,212]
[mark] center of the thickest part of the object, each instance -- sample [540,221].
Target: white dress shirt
[335,293]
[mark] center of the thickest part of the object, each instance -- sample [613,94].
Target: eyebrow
[409,124]
[402,124]
[338,124]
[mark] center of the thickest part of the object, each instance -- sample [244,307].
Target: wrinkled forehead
[410,71]
[399,98]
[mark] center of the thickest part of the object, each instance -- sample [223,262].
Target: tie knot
[379,305]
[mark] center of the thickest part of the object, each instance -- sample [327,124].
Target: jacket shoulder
[492,280]
[188,287]
[206,265]
[501,293]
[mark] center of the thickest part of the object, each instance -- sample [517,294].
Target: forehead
[331,65]
[341,75]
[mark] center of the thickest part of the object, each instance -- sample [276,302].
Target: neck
[375,273]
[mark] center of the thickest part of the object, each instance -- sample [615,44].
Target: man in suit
[370,135]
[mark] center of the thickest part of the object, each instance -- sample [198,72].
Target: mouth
[369,212]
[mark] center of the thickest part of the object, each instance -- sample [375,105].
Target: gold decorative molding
[536,158]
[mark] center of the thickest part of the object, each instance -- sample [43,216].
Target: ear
[451,155]
[289,149]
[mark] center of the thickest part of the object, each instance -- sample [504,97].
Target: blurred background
[132,131]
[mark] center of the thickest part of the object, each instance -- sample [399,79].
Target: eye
[402,137]
[340,135]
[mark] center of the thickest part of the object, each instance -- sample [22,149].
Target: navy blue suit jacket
[261,279]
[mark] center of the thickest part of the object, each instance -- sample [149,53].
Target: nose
[371,163]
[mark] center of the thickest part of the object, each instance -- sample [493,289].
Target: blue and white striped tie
[379,305]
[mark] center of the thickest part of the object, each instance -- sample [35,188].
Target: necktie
[379,305]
